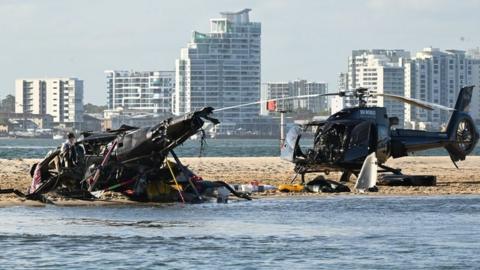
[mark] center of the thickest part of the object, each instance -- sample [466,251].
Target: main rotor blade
[273,99]
[416,102]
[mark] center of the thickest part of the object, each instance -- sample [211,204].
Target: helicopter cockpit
[333,142]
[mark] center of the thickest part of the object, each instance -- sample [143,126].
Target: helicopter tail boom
[459,139]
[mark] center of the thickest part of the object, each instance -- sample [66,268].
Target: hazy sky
[308,39]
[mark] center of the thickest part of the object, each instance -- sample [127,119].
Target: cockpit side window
[360,135]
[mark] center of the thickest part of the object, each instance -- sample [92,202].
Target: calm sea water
[338,232]
[38,148]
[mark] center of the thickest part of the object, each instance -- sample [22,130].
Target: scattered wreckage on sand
[131,161]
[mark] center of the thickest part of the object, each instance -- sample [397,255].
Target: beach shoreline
[14,173]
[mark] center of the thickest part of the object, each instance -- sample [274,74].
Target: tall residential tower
[382,71]
[435,76]
[61,98]
[221,68]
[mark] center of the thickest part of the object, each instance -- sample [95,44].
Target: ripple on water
[299,233]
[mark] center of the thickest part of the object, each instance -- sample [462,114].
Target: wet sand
[273,171]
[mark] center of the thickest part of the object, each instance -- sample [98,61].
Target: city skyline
[87,43]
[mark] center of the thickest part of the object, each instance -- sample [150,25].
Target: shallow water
[338,232]
[38,148]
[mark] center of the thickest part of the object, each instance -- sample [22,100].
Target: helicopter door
[360,142]
[290,146]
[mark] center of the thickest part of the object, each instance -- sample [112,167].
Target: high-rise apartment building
[145,91]
[61,98]
[381,71]
[474,53]
[359,59]
[435,76]
[272,90]
[342,82]
[337,103]
[474,62]
[221,68]
[432,75]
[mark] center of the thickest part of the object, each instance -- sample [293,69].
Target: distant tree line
[92,108]
[7,104]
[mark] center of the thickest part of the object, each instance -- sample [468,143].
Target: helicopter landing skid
[302,175]
[406,180]
[397,178]
[390,169]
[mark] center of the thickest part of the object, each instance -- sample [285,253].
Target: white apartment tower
[474,62]
[271,90]
[145,91]
[435,76]
[337,103]
[62,98]
[475,105]
[221,68]
[381,71]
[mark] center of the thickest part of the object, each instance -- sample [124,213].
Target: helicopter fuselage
[346,138]
[342,141]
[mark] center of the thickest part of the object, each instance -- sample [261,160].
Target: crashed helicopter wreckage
[359,140]
[131,161]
